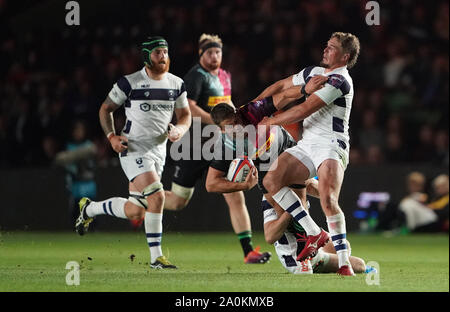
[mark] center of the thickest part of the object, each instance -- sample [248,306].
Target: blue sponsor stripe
[300,215]
[340,101]
[293,207]
[338,236]
[127,127]
[283,240]
[124,85]
[153,234]
[338,124]
[339,82]
[290,261]
[154,94]
[110,208]
[104,208]
[342,144]
[182,89]
[154,244]
[306,73]
[265,205]
[340,247]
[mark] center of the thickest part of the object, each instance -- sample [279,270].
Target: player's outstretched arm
[277,87]
[296,113]
[107,122]
[281,99]
[216,181]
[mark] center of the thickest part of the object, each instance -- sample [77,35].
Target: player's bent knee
[270,183]
[134,211]
[137,199]
[154,192]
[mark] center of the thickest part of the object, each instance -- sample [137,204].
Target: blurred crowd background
[52,74]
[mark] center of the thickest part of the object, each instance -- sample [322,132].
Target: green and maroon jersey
[206,89]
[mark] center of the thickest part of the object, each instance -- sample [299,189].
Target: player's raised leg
[290,170]
[132,208]
[331,175]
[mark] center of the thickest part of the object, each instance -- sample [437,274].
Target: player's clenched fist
[315,83]
[118,142]
[175,132]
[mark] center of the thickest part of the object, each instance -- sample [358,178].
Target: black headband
[210,44]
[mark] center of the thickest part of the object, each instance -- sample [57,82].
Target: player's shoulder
[175,79]
[310,71]
[313,70]
[341,79]
[224,72]
[129,81]
[196,70]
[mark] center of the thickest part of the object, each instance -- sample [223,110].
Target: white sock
[289,201]
[113,207]
[153,231]
[336,227]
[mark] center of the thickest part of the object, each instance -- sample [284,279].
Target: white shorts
[136,164]
[312,155]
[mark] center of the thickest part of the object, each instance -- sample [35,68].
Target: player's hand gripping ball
[239,169]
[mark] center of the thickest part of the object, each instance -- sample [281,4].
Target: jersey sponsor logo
[145,107]
[214,100]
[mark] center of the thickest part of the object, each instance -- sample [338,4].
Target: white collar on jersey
[144,74]
[337,69]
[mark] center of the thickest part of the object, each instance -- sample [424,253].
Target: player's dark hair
[221,112]
[350,44]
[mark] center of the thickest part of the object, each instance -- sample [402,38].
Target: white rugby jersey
[149,107]
[332,120]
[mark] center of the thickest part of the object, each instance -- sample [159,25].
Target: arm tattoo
[106,115]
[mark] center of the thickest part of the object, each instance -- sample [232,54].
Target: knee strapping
[183,192]
[152,189]
[138,199]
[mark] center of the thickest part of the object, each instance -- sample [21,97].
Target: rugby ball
[239,169]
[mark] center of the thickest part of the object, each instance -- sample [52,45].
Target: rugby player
[280,228]
[324,147]
[150,96]
[207,84]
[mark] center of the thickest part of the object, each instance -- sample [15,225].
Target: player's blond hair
[350,44]
[208,37]
[205,40]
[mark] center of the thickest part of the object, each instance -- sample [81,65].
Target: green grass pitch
[208,262]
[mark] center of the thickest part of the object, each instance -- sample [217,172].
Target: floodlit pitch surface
[208,262]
